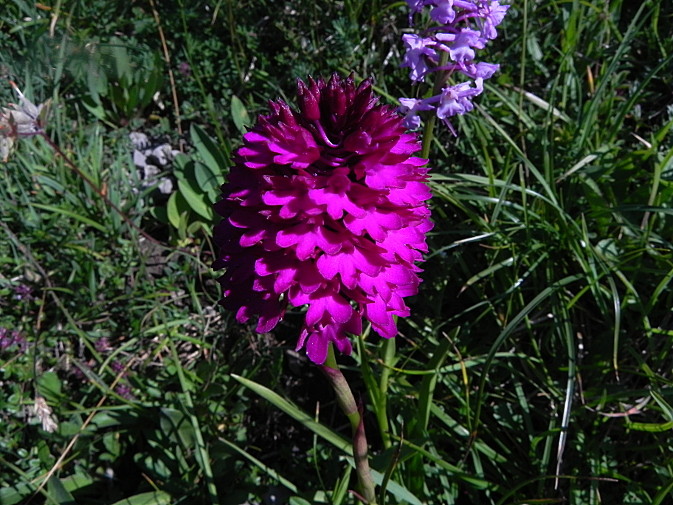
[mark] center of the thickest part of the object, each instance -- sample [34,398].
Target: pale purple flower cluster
[464,27]
[104,346]
[23,292]
[11,339]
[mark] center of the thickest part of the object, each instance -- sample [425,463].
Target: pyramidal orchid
[325,207]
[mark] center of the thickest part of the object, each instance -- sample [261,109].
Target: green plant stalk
[428,131]
[349,407]
[382,409]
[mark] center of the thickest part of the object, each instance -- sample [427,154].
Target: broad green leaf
[203,176]
[180,163]
[196,201]
[177,426]
[211,154]
[57,493]
[172,210]
[49,386]
[207,182]
[121,58]
[297,500]
[239,114]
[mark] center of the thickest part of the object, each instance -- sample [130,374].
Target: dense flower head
[465,27]
[325,207]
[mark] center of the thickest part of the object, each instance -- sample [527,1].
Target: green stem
[428,131]
[382,410]
[349,407]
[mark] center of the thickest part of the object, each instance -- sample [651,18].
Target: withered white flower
[44,413]
[22,120]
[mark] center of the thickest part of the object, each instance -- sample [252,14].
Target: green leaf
[57,493]
[295,412]
[177,209]
[650,427]
[239,114]
[74,215]
[211,154]
[180,163]
[196,201]
[49,386]
[663,494]
[296,500]
[177,426]
[15,494]
[149,498]
[172,210]
[160,214]
[341,487]
[121,58]
[207,182]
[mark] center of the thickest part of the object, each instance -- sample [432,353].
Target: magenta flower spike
[326,207]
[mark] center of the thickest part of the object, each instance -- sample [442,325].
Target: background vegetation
[537,364]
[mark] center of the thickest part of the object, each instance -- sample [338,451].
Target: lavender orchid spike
[326,208]
[465,27]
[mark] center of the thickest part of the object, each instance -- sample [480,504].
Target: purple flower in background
[465,28]
[491,14]
[325,207]
[443,12]
[23,292]
[124,391]
[457,100]
[102,345]
[117,366]
[11,339]
[461,45]
[417,56]
[411,107]
[480,70]
[414,7]
[185,69]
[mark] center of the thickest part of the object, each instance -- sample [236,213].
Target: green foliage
[117,88]
[536,365]
[190,208]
